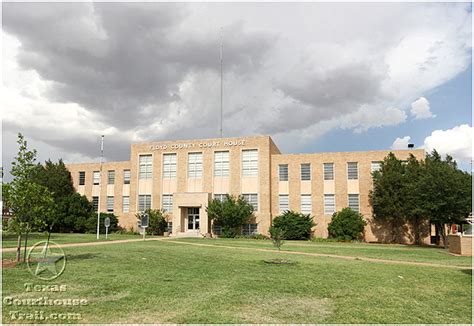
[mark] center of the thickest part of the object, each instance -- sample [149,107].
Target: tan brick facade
[266,183]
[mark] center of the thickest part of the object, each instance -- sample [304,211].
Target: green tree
[278,236]
[72,214]
[230,214]
[388,195]
[445,192]
[54,176]
[296,226]
[30,202]
[157,222]
[346,225]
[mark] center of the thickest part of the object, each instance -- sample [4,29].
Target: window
[283,203]
[167,203]
[375,166]
[249,229]
[110,177]
[82,178]
[125,204]
[249,163]
[96,177]
[306,204]
[252,199]
[329,204]
[195,165]
[144,202]
[305,171]
[110,204]
[220,197]
[145,162]
[352,171]
[283,172]
[221,164]
[328,171]
[95,203]
[169,166]
[126,177]
[353,201]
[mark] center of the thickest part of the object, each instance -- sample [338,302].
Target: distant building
[182,176]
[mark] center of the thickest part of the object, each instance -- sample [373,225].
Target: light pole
[100,183]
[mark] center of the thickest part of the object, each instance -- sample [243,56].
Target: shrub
[230,214]
[91,223]
[346,225]
[157,223]
[296,226]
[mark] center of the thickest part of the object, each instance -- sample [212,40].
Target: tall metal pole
[222,84]
[100,183]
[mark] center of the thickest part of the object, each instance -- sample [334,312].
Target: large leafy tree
[30,202]
[444,192]
[230,214]
[54,176]
[388,195]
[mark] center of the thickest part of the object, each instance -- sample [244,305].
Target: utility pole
[222,83]
[100,183]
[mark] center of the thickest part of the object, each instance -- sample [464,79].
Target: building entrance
[193,218]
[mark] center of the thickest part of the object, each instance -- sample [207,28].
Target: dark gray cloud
[120,59]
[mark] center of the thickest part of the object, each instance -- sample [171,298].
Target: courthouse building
[181,177]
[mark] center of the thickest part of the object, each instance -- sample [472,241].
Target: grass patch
[10,240]
[164,282]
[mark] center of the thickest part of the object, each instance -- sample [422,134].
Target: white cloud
[420,109]
[456,142]
[401,143]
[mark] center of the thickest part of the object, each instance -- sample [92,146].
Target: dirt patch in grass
[8,263]
[282,310]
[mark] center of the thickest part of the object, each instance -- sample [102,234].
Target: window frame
[253,198]
[310,204]
[326,210]
[169,169]
[252,168]
[221,164]
[147,171]
[325,173]
[127,205]
[96,178]
[350,171]
[168,205]
[110,200]
[305,175]
[195,166]
[82,178]
[282,174]
[349,196]
[280,197]
[126,180]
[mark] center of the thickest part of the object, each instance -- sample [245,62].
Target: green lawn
[10,240]
[381,251]
[164,282]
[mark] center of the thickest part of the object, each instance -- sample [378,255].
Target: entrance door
[193,218]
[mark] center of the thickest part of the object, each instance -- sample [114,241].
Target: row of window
[110,177]
[328,171]
[329,203]
[144,202]
[221,164]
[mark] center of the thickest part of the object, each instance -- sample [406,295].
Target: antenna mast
[222,87]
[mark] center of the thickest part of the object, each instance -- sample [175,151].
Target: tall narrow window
[144,202]
[126,177]
[329,204]
[252,199]
[353,202]
[221,164]
[306,204]
[328,171]
[110,204]
[125,204]
[305,172]
[145,169]
[167,201]
[195,165]
[169,166]
[110,177]
[95,203]
[375,166]
[96,177]
[283,172]
[352,171]
[249,162]
[82,178]
[283,203]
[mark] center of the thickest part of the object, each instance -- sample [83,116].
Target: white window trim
[242,162]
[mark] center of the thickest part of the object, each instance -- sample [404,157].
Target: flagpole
[100,183]
[222,84]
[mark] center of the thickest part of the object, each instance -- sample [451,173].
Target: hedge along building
[181,177]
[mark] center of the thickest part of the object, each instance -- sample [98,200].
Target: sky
[314,76]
